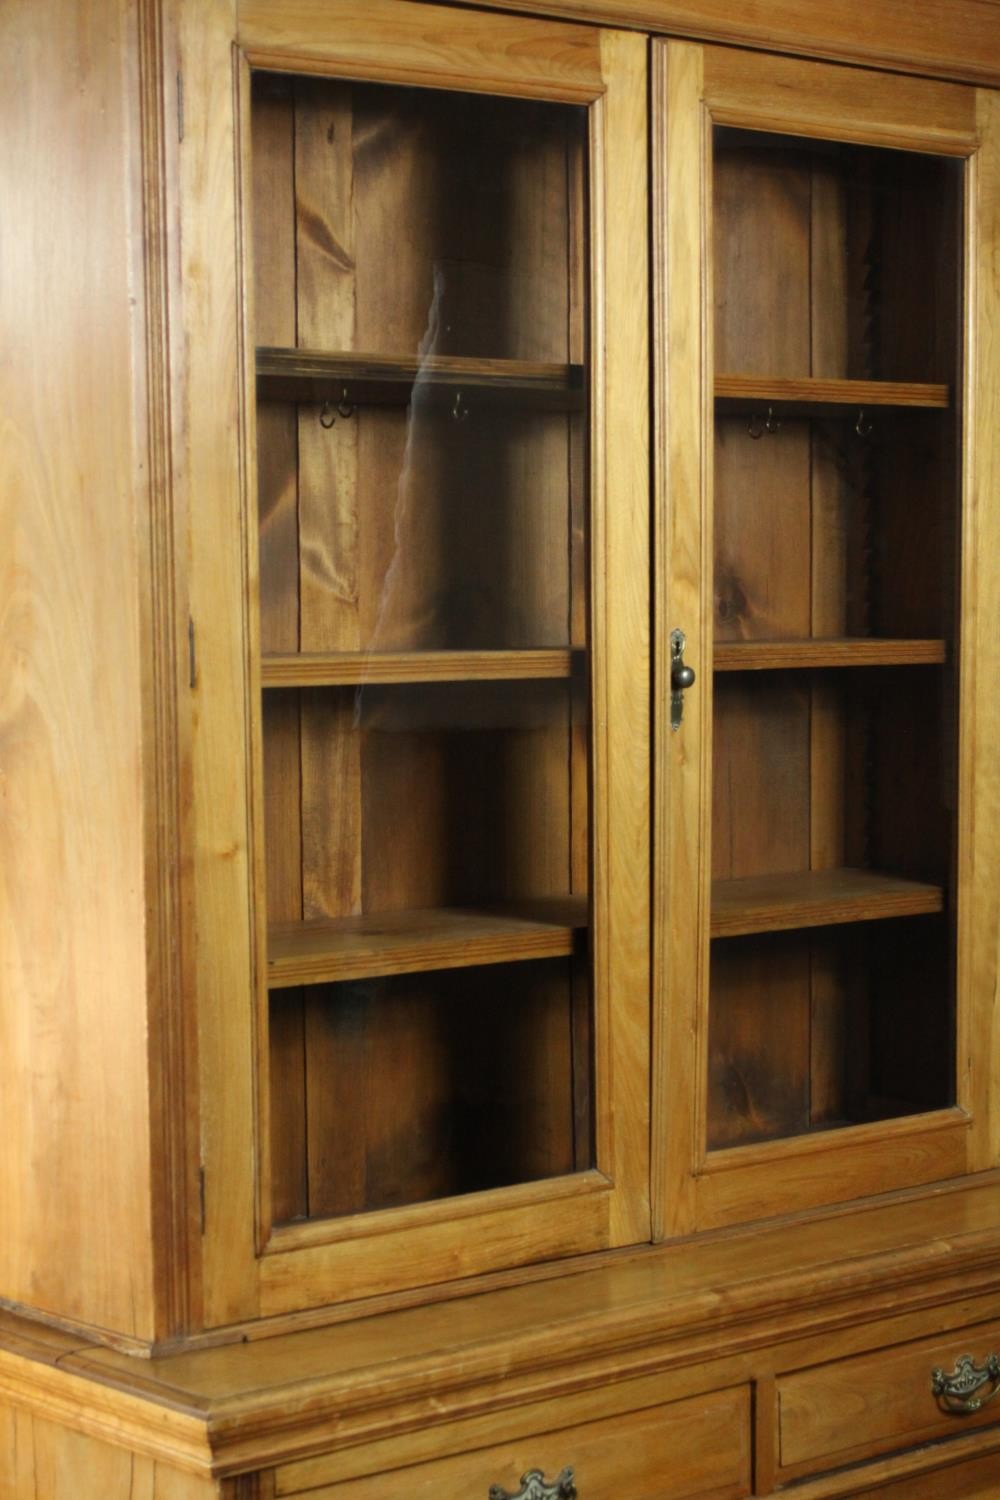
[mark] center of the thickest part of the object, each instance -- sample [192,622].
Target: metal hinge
[201,1197]
[180,107]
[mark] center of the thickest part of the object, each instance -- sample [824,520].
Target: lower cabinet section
[699,1447]
[876,1403]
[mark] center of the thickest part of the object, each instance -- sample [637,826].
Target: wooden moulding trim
[630,1321]
[140,1415]
[845,651]
[390,42]
[845,1138]
[282,1422]
[315,1233]
[363,668]
[170,1032]
[925,1459]
[950,39]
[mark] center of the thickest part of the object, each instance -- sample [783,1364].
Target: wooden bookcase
[498,798]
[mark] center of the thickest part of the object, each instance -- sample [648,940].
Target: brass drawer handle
[959,1392]
[533,1487]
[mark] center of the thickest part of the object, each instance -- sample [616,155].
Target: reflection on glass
[420,322]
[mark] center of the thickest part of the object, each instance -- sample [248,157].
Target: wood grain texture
[845,651]
[309,374]
[683,550]
[946,38]
[415,770]
[405,942]
[346,668]
[758,1042]
[164,616]
[211,412]
[844,1411]
[272,208]
[768,92]
[619,618]
[809,756]
[798,1295]
[979,911]
[816,898]
[73,766]
[47,1460]
[819,395]
[388,42]
[700,1446]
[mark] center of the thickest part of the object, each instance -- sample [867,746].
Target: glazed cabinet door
[442,441]
[825,910]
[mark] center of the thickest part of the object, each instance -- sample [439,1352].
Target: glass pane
[420,321]
[836,504]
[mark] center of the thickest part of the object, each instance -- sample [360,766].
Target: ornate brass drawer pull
[959,1392]
[533,1487]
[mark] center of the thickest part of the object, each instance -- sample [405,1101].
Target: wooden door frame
[695,88]
[248,1269]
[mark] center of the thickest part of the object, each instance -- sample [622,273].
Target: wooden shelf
[816,898]
[321,375]
[844,651]
[410,942]
[349,668]
[810,396]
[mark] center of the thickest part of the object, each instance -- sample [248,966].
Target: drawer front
[696,1447]
[875,1403]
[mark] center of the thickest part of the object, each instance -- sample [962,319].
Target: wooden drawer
[876,1403]
[698,1447]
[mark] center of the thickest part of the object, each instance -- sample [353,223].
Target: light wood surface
[806,769]
[345,668]
[412,941]
[682,475]
[815,898]
[946,38]
[215,383]
[353,579]
[867,1406]
[765,91]
[74,765]
[622,1334]
[47,1460]
[820,395]
[979,897]
[312,375]
[846,651]
[388,41]
[700,1446]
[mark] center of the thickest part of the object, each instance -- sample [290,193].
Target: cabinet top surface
[722,1290]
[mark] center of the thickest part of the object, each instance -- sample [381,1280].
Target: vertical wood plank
[620,622]
[325,300]
[761,265]
[76,846]
[211,425]
[329,583]
[683,369]
[275,322]
[831,516]
[979,823]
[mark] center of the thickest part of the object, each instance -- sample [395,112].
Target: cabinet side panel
[74,1130]
[978,884]
[43,1460]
